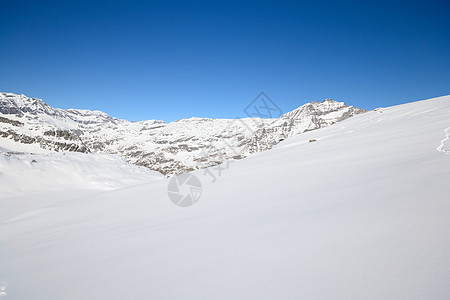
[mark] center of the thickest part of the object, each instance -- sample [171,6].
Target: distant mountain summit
[31,125]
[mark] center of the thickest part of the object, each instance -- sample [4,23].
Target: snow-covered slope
[23,177]
[30,125]
[361,213]
[25,174]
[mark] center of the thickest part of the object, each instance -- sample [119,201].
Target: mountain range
[32,126]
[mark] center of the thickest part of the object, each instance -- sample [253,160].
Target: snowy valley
[356,210]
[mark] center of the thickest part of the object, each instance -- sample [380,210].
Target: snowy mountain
[30,125]
[361,213]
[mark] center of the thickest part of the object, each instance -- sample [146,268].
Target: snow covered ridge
[30,125]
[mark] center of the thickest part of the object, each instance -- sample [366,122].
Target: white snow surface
[23,173]
[362,213]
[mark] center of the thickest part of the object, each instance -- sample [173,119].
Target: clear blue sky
[174,59]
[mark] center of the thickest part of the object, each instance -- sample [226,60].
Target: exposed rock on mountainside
[31,125]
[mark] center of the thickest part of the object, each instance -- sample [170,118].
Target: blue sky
[169,60]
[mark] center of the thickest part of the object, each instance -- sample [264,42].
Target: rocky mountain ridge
[31,125]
